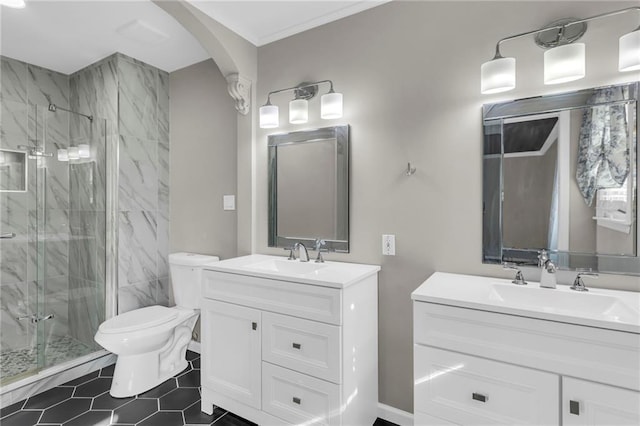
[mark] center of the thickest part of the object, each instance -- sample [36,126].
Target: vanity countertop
[327,274]
[602,308]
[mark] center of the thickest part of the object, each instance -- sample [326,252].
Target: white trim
[394,415]
[195,346]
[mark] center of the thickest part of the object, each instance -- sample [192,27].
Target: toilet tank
[186,277]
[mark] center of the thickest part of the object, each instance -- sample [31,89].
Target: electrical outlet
[229,202]
[389,245]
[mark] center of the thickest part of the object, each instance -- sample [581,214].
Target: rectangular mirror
[309,188]
[13,171]
[561,173]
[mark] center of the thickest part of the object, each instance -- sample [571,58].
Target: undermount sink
[563,302]
[287,266]
[603,308]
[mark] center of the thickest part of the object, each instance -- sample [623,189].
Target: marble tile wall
[25,92]
[134,96]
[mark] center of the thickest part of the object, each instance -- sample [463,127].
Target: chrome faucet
[578,284]
[548,277]
[317,246]
[519,278]
[303,254]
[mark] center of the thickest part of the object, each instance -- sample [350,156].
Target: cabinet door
[231,351]
[588,403]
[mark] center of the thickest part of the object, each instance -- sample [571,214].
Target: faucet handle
[318,244]
[292,255]
[519,278]
[578,284]
[543,256]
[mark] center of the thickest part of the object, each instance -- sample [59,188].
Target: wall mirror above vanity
[309,188]
[560,172]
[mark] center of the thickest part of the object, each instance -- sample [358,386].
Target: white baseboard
[394,415]
[194,346]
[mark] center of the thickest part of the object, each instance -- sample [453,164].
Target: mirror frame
[494,114]
[341,135]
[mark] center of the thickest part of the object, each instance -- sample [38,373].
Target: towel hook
[410,170]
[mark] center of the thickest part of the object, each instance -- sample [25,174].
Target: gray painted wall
[410,75]
[203,161]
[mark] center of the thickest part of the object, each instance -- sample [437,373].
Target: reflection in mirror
[561,173]
[309,188]
[13,171]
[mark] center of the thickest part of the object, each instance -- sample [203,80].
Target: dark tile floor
[86,402]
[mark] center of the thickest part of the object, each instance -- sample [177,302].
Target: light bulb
[63,155]
[498,75]
[331,105]
[269,117]
[564,63]
[298,111]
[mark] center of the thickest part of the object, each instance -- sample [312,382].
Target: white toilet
[151,342]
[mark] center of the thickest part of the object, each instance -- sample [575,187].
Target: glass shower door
[53,270]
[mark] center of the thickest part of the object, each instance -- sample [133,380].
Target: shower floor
[58,350]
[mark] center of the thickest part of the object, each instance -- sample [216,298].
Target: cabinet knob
[296,345]
[574,407]
[254,325]
[296,400]
[479,397]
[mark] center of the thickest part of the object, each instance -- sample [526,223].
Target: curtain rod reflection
[54,108]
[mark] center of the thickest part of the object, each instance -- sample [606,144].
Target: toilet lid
[138,319]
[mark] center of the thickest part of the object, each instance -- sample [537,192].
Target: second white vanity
[487,351]
[286,342]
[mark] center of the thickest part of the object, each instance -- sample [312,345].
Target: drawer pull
[296,400]
[296,345]
[574,407]
[479,397]
[254,325]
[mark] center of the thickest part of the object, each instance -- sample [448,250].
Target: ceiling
[66,36]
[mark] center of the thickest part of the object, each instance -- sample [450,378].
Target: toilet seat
[138,319]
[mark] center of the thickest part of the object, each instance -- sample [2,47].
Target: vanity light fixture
[73,153]
[330,105]
[564,60]
[63,155]
[84,151]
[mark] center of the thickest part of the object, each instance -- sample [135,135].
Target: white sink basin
[327,274]
[563,302]
[611,309]
[285,266]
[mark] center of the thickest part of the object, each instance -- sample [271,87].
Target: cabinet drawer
[300,300]
[472,391]
[309,347]
[298,398]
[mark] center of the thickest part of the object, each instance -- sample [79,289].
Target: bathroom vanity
[487,351]
[290,342]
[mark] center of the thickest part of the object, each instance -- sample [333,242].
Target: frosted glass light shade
[564,63]
[16,4]
[63,155]
[498,75]
[269,117]
[73,152]
[629,52]
[298,111]
[84,151]
[331,105]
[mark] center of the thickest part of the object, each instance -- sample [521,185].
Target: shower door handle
[43,318]
[8,235]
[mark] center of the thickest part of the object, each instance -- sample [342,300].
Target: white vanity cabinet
[479,360]
[290,350]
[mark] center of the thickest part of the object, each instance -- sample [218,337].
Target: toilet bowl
[151,342]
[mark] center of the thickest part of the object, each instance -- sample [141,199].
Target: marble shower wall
[25,92]
[135,96]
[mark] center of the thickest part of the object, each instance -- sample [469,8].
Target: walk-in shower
[53,235]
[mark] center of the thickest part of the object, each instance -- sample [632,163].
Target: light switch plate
[389,245]
[229,202]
